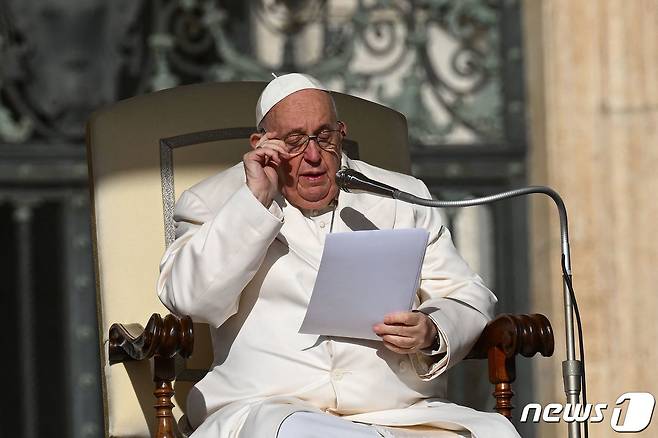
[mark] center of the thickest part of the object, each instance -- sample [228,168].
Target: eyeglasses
[296,143]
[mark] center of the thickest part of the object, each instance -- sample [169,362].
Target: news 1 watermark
[632,412]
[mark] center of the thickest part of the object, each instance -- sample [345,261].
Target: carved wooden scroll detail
[162,340]
[502,339]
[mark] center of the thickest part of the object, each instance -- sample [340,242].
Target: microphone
[350,180]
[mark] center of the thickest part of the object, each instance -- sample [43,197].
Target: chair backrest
[144,151]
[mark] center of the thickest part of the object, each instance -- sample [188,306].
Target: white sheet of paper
[363,276]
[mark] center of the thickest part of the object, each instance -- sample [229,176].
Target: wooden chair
[144,150]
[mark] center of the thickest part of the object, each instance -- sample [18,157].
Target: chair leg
[503,394]
[163,375]
[502,372]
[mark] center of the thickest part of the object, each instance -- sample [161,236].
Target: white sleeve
[441,348]
[451,294]
[214,256]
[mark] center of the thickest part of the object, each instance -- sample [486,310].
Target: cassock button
[403,366]
[322,224]
[337,375]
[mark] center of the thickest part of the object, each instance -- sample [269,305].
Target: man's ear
[254,139]
[343,128]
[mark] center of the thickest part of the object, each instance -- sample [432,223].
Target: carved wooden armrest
[502,339]
[162,339]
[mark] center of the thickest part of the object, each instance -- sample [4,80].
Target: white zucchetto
[280,88]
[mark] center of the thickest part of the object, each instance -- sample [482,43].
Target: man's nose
[312,152]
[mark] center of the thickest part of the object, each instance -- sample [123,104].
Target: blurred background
[498,94]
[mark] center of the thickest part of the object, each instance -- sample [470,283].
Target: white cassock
[249,271]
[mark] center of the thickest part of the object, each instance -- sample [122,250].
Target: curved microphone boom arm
[350,180]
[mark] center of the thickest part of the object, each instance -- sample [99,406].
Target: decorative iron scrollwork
[392,51]
[437,61]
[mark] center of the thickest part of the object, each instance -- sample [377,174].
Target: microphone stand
[572,369]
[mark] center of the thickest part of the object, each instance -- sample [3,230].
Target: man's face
[307,180]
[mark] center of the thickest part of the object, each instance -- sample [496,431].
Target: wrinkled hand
[406,332]
[260,166]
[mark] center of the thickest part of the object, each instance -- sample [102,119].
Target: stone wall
[592,73]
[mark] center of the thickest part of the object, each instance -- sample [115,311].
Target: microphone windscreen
[343,178]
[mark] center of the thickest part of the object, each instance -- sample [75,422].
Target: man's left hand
[406,332]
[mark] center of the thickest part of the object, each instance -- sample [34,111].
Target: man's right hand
[261,165]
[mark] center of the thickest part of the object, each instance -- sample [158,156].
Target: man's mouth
[313,176]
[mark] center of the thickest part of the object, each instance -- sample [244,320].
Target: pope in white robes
[248,248]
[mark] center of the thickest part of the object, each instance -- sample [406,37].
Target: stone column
[592,81]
